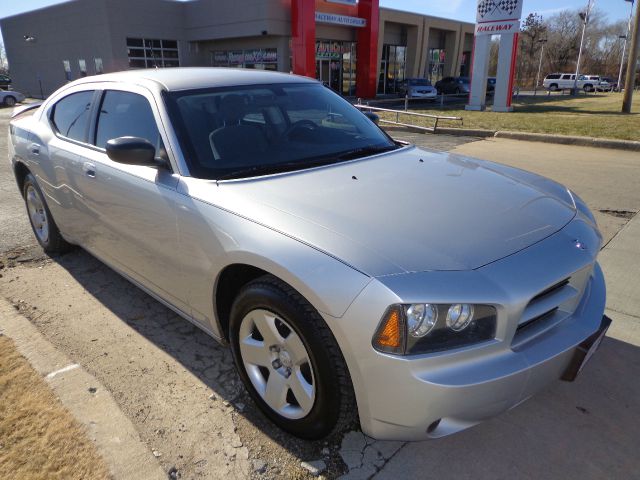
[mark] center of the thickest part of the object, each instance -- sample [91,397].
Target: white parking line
[62,370]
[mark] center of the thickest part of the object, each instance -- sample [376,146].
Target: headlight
[421,318]
[427,328]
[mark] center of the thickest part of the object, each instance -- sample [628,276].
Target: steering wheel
[304,123]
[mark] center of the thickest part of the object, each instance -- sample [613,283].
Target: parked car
[607,85]
[491,85]
[353,276]
[566,81]
[5,82]
[418,88]
[453,85]
[9,98]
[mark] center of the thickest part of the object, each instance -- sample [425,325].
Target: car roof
[187,78]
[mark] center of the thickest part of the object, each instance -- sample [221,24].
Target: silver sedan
[355,278]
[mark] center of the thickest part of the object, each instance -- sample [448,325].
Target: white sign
[498,10]
[340,20]
[498,28]
[346,2]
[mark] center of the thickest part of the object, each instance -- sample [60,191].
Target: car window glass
[226,130]
[71,114]
[125,114]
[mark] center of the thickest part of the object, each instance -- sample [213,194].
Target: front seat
[236,143]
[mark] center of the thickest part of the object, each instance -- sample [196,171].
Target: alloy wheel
[37,214]
[277,363]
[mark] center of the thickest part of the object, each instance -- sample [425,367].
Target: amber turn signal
[390,334]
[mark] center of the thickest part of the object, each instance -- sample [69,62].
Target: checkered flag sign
[486,7]
[508,6]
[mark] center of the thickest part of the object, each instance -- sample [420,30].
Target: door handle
[35,148]
[89,169]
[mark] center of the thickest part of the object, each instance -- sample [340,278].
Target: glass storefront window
[336,65]
[392,68]
[437,59]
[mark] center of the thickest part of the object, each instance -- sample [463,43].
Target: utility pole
[542,42]
[629,83]
[585,21]
[626,39]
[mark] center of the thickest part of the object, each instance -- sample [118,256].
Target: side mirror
[373,117]
[132,151]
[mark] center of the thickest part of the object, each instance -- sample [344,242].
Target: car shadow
[209,361]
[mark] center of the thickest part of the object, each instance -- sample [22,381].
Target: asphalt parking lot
[178,387]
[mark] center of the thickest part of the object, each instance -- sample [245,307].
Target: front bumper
[428,95]
[430,396]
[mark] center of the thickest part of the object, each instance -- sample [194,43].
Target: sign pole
[630,83]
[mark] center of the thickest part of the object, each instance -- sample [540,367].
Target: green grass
[587,116]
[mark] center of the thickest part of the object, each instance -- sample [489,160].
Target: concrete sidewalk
[589,429]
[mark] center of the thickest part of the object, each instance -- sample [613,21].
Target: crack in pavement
[365,456]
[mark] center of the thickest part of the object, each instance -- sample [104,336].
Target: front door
[135,207]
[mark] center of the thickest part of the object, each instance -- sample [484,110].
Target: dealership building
[354,46]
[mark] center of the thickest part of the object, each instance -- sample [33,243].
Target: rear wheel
[588,88]
[9,101]
[289,360]
[42,223]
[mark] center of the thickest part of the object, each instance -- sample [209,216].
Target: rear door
[135,222]
[58,143]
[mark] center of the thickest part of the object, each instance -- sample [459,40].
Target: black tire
[553,87]
[10,101]
[588,88]
[53,242]
[334,408]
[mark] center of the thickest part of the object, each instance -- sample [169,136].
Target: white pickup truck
[566,81]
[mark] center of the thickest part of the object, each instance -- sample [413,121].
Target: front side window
[71,115]
[126,114]
[240,132]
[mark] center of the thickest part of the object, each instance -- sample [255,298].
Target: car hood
[405,211]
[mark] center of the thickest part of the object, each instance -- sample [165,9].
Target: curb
[466,132]
[570,140]
[114,435]
[628,145]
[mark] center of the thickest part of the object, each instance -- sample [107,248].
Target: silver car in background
[355,278]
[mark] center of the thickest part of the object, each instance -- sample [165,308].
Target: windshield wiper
[258,170]
[365,152]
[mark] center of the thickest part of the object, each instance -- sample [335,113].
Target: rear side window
[71,115]
[125,114]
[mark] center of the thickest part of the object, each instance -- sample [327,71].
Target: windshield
[419,82]
[237,132]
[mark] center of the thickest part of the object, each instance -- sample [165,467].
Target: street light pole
[585,20]
[629,83]
[542,42]
[624,48]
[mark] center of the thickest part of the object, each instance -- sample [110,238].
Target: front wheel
[42,223]
[289,360]
[9,101]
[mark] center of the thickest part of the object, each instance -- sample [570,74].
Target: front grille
[545,310]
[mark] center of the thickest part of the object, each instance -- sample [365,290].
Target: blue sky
[457,9]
